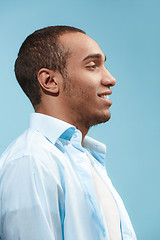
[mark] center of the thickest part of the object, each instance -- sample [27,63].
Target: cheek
[86,84]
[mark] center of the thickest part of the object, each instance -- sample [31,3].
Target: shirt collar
[97,149]
[53,128]
[94,145]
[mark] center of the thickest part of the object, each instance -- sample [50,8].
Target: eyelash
[92,67]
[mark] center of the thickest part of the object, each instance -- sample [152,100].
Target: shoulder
[33,149]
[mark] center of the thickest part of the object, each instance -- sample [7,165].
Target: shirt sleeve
[32,201]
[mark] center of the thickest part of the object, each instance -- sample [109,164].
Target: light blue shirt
[46,187]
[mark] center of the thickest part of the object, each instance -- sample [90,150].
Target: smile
[104,96]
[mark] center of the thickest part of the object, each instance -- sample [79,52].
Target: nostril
[110,82]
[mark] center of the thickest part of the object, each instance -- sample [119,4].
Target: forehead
[80,45]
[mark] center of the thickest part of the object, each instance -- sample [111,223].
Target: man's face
[88,82]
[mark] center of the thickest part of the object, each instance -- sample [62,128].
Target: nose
[108,79]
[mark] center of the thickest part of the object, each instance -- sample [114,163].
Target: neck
[81,128]
[64,116]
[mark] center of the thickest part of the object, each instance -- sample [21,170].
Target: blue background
[128,32]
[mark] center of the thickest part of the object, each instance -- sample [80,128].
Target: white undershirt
[108,206]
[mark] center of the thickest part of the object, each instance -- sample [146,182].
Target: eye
[92,66]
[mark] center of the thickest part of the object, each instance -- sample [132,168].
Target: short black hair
[41,49]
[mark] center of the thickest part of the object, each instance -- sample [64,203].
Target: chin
[105,118]
[100,119]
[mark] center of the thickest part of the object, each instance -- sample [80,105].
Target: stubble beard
[96,120]
[79,112]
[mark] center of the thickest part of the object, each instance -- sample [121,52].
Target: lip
[106,99]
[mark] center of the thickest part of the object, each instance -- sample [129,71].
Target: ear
[48,79]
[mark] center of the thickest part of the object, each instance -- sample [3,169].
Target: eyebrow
[96,55]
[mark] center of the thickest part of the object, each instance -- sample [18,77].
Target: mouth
[105,96]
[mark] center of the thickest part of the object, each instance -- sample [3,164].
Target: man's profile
[53,183]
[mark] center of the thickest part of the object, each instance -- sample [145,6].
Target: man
[53,181]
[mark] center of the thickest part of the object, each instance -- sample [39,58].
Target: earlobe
[48,81]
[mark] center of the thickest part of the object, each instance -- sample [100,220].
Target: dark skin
[84,101]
